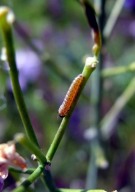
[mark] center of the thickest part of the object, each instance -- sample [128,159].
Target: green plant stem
[40,156]
[100,80]
[88,69]
[35,175]
[54,145]
[96,91]
[8,39]
[96,100]
[109,121]
[27,171]
[97,160]
[31,147]
[91,179]
[49,181]
[118,70]
[113,18]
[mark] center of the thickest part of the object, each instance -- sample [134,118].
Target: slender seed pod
[71,96]
[91,15]
[91,18]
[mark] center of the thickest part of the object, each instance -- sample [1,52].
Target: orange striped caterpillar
[71,96]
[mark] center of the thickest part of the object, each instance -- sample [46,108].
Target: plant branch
[113,18]
[89,67]
[27,171]
[118,70]
[96,108]
[5,14]
[31,147]
[35,175]
[110,119]
[49,180]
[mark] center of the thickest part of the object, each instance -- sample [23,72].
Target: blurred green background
[51,39]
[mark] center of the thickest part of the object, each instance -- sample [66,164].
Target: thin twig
[109,72]
[35,175]
[27,171]
[96,100]
[109,121]
[21,138]
[9,44]
[113,18]
[90,66]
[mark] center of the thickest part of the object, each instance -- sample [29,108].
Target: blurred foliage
[59,30]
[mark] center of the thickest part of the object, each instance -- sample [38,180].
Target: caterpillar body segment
[71,96]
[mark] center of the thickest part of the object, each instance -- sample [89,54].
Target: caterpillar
[70,96]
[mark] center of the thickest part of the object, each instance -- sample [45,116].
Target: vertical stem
[31,147]
[57,139]
[49,181]
[91,180]
[89,67]
[113,17]
[100,66]
[96,100]
[96,96]
[8,40]
[110,119]
[35,175]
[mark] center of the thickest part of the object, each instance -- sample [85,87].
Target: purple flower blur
[75,129]
[55,7]
[29,67]
[130,4]
[1,184]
